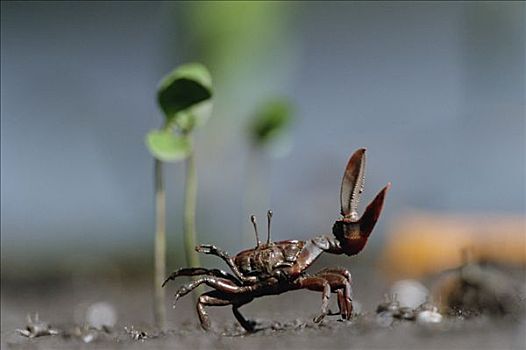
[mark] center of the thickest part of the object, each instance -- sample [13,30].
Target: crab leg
[208,299]
[340,284]
[337,270]
[247,324]
[213,250]
[218,298]
[228,293]
[197,271]
[221,284]
[317,284]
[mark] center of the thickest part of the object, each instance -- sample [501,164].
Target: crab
[273,268]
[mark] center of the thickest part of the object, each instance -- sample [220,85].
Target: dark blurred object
[270,122]
[476,288]
[421,244]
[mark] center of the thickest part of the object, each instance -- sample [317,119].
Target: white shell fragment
[101,314]
[410,293]
[428,317]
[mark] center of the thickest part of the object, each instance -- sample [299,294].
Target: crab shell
[268,257]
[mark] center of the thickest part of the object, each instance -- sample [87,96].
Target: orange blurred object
[423,243]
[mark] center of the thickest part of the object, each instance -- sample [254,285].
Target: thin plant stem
[160,246]
[190,199]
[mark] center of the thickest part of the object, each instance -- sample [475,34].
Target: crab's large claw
[372,213]
[352,184]
[352,232]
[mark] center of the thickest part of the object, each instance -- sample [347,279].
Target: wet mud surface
[283,321]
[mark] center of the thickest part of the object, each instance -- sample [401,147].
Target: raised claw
[352,231]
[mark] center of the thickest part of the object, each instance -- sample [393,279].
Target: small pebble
[89,337]
[428,317]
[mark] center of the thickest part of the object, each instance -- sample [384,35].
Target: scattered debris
[87,334]
[136,334]
[37,328]
[391,310]
[392,306]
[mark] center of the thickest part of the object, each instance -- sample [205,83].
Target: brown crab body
[268,257]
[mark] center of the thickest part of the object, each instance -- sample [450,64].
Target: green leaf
[167,146]
[185,87]
[270,122]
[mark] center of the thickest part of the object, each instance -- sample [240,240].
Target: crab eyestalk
[269,218]
[253,220]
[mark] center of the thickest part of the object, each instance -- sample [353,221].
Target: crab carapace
[277,267]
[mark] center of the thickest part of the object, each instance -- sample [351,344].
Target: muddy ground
[284,321]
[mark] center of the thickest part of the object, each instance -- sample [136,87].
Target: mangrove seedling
[184,96]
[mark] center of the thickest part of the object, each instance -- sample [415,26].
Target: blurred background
[434,90]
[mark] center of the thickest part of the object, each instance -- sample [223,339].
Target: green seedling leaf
[167,146]
[184,88]
[270,122]
[193,117]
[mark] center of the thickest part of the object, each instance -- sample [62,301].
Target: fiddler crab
[273,268]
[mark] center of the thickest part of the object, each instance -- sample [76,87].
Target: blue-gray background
[435,91]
